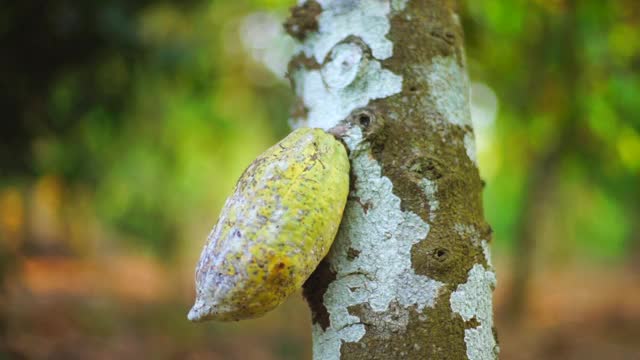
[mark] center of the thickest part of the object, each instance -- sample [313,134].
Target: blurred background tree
[126,123]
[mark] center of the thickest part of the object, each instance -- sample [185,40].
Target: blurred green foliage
[566,76]
[156,107]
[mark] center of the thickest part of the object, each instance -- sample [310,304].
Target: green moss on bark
[431,334]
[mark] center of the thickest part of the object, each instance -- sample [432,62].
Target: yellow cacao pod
[275,228]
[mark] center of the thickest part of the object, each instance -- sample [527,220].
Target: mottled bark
[409,275]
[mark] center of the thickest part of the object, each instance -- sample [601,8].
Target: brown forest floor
[65,309]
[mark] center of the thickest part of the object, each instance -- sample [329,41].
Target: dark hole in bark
[450,37]
[281,266]
[441,254]
[364,120]
[413,88]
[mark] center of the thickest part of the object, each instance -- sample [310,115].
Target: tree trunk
[409,274]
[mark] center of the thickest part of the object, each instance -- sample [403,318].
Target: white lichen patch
[342,66]
[326,345]
[470,147]
[448,89]
[472,300]
[486,250]
[381,234]
[349,77]
[366,19]
[430,190]
[456,18]
[471,233]
[398,5]
[346,82]
[468,232]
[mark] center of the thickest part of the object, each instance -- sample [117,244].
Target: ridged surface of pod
[275,228]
